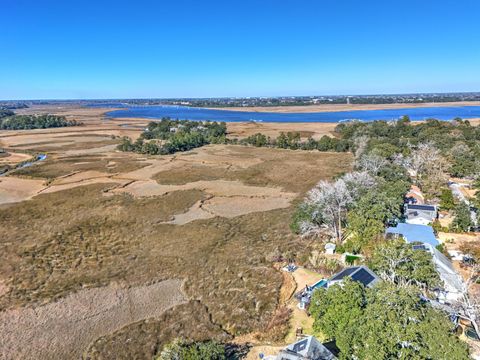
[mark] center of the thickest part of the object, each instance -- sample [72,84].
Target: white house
[420,214]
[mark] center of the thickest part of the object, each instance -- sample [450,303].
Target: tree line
[10,121]
[292,141]
[170,136]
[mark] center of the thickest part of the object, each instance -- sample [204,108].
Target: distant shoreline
[341,107]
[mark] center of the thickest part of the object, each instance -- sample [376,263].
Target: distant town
[222,102]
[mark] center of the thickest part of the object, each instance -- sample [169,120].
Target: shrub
[182,350]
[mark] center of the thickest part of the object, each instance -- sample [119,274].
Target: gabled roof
[308,348]
[415,233]
[361,274]
[447,272]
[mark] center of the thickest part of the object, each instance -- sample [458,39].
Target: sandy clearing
[14,189]
[196,212]
[94,150]
[343,107]
[266,350]
[229,207]
[52,138]
[14,158]
[155,166]
[228,198]
[208,156]
[215,187]
[67,186]
[79,176]
[64,329]
[454,241]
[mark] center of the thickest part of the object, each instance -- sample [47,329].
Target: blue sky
[111,49]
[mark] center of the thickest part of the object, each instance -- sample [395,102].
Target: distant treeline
[456,140]
[170,136]
[12,105]
[10,121]
[292,141]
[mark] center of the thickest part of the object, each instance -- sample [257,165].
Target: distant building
[308,348]
[420,214]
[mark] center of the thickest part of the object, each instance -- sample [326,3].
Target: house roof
[422,207]
[415,233]
[447,272]
[361,274]
[308,348]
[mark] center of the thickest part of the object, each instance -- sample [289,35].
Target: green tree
[396,325]
[447,202]
[385,322]
[367,219]
[335,311]
[396,261]
[462,221]
[282,141]
[182,350]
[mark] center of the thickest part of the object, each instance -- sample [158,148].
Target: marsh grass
[61,242]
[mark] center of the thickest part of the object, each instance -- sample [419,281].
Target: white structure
[420,214]
[456,255]
[330,248]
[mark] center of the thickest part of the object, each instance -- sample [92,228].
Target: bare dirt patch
[15,190]
[13,158]
[63,329]
[215,187]
[228,198]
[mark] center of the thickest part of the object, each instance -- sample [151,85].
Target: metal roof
[415,233]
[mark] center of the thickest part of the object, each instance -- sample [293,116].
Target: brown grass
[277,328]
[80,318]
[292,170]
[145,339]
[63,242]
[55,167]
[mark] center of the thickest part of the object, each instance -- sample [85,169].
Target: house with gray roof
[452,281]
[360,274]
[420,214]
[308,348]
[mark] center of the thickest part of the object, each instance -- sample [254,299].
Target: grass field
[86,230]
